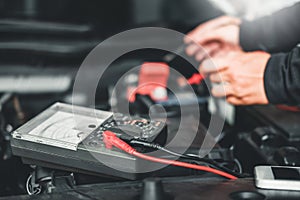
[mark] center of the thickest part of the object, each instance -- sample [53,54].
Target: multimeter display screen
[286,173]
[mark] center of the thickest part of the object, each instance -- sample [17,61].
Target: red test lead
[111,140]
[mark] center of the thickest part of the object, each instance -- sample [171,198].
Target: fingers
[192,49]
[222,90]
[209,36]
[212,36]
[235,101]
[207,50]
[225,90]
[220,77]
[214,65]
[210,25]
[240,75]
[208,42]
[200,55]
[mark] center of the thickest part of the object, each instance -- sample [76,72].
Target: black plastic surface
[181,188]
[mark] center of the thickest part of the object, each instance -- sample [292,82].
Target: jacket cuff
[274,80]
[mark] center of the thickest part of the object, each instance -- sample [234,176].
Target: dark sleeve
[282,78]
[279,32]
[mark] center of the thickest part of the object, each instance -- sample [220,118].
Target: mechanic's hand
[215,37]
[240,76]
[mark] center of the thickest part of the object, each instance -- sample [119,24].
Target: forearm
[282,78]
[276,33]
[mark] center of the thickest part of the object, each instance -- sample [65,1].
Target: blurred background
[43,43]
